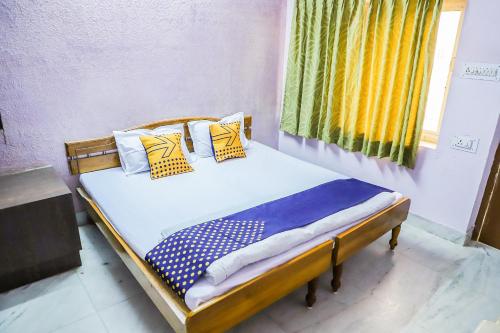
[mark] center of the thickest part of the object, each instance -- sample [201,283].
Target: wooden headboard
[100,153]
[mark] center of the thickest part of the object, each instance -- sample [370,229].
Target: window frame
[429,136]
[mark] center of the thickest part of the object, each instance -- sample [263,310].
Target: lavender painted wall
[74,69]
[446,186]
[78,69]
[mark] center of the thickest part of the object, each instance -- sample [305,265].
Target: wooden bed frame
[245,300]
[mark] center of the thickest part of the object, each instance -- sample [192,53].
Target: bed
[114,202]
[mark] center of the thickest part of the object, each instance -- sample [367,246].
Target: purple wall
[73,70]
[78,69]
[446,186]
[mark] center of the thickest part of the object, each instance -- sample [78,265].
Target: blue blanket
[183,257]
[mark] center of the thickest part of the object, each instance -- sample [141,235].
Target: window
[446,43]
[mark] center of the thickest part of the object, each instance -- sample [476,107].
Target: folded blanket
[224,267]
[182,258]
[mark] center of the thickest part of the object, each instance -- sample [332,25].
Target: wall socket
[465,143]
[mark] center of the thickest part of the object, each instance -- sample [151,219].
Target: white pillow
[131,151]
[200,133]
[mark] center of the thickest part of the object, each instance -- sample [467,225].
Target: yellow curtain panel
[358,74]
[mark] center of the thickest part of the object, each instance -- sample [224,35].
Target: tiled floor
[427,285]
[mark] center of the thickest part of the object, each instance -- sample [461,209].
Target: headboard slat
[100,153]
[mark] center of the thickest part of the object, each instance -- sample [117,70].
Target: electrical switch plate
[465,143]
[481,71]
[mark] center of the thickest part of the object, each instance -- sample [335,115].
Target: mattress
[145,211]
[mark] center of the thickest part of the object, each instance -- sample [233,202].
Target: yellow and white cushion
[226,141]
[133,157]
[200,133]
[165,155]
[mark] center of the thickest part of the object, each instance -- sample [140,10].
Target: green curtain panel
[358,73]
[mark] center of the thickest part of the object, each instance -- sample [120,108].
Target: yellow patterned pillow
[165,155]
[226,141]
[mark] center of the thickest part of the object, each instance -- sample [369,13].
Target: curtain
[358,74]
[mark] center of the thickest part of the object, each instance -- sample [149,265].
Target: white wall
[446,185]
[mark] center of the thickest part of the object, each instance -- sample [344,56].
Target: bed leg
[337,275]
[394,239]
[311,292]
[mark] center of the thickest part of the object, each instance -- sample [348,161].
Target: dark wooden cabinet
[38,231]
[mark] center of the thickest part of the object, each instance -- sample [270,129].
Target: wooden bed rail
[358,237]
[100,153]
[361,235]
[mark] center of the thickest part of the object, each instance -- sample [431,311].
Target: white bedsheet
[144,211]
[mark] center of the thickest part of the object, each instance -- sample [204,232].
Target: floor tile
[91,237]
[416,328]
[260,323]
[88,324]
[370,266]
[292,314]
[109,284]
[137,314]
[480,273]
[370,314]
[47,313]
[38,288]
[406,282]
[468,296]
[431,251]
[96,257]
[457,311]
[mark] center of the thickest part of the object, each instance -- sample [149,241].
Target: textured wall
[78,69]
[446,185]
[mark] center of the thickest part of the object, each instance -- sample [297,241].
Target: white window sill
[427,144]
